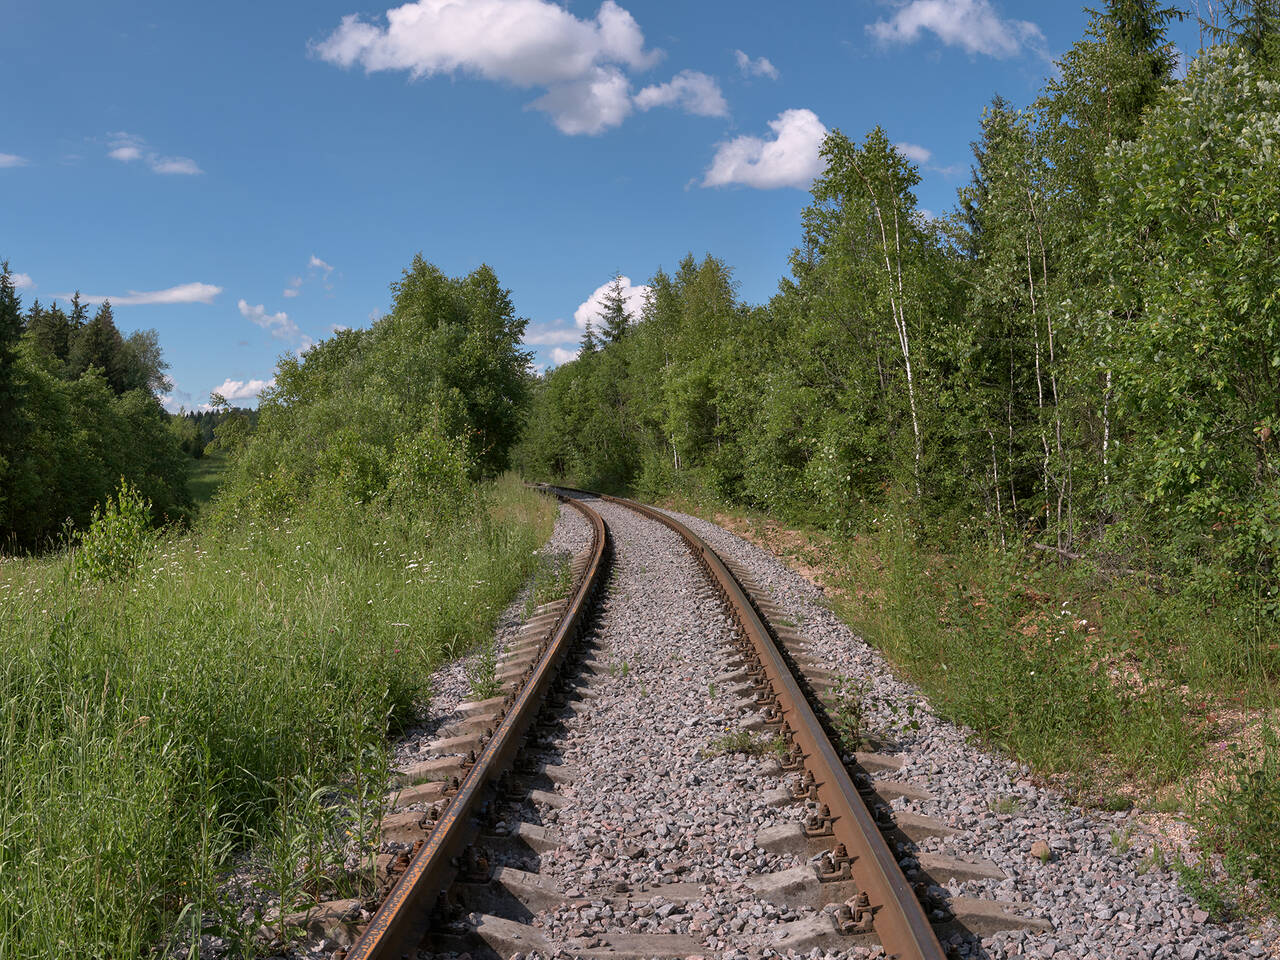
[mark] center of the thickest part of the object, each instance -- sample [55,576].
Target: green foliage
[1240,820]
[78,411]
[118,538]
[410,410]
[227,705]
[1188,224]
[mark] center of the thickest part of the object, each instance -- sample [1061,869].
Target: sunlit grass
[217,702]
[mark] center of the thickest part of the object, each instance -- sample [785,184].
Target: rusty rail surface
[897,916]
[401,918]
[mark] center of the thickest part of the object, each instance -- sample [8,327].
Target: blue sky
[245,178]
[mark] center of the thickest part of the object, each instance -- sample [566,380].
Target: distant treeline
[1084,355]
[196,429]
[79,411]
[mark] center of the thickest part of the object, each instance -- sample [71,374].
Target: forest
[1084,355]
[1035,438]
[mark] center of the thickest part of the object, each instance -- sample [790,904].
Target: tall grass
[217,702]
[1003,645]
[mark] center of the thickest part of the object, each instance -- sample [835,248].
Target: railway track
[839,866]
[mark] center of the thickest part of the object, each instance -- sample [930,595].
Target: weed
[644,691]
[1155,860]
[1202,887]
[711,690]
[482,674]
[1007,804]
[848,712]
[740,741]
[1241,819]
[1120,840]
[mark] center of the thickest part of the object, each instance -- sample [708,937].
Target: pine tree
[614,318]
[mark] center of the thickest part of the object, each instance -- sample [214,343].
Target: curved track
[842,821]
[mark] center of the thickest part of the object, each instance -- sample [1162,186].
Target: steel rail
[400,920]
[898,918]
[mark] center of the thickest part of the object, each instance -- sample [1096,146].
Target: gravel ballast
[1102,900]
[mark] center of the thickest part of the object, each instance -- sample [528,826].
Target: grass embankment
[222,699]
[1122,690]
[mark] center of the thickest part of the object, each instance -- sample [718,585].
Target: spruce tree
[614,318]
[590,342]
[10,387]
[50,331]
[100,345]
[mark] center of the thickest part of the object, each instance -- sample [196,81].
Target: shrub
[118,536]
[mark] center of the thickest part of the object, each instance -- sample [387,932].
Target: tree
[99,344]
[143,364]
[614,318]
[11,393]
[1187,230]
[50,332]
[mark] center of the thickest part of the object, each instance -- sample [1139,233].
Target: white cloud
[232,390]
[179,165]
[589,309]
[690,90]
[527,43]
[182,293]
[127,147]
[22,281]
[790,159]
[973,25]
[315,263]
[600,100]
[914,152]
[290,292]
[549,337]
[559,355]
[11,160]
[760,67]
[279,324]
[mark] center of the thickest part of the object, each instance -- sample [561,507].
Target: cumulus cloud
[690,90]
[790,159]
[22,281]
[973,25]
[590,309]
[526,43]
[11,160]
[126,147]
[559,355]
[182,293]
[914,152]
[278,324]
[550,336]
[315,263]
[232,390]
[760,67]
